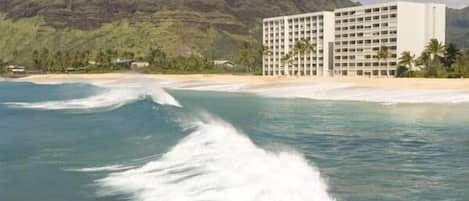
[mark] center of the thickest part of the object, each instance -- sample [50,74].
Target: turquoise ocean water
[124,145]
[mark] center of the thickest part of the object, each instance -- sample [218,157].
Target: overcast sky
[450,3]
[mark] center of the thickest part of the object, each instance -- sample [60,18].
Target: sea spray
[349,92]
[217,162]
[109,98]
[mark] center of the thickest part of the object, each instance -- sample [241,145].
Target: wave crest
[110,98]
[216,162]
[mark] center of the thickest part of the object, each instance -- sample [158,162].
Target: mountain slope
[210,27]
[458,27]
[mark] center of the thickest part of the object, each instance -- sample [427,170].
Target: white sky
[450,3]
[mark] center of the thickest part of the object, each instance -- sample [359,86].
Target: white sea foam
[348,92]
[213,87]
[109,98]
[110,168]
[216,162]
[335,92]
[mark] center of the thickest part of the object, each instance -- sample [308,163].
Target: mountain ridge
[213,28]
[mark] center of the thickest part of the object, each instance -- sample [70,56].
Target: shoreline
[254,82]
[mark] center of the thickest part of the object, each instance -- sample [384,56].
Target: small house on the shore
[223,63]
[122,62]
[16,69]
[139,65]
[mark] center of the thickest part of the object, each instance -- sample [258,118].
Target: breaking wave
[348,92]
[109,168]
[217,162]
[108,99]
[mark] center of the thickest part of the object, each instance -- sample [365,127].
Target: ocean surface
[81,142]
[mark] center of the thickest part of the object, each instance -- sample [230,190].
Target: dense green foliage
[47,61]
[437,61]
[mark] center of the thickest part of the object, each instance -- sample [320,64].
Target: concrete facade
[280,35]
[347,40]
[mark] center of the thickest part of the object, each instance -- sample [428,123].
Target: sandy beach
[259,81]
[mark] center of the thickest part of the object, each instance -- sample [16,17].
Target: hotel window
[376,10]
[393,7]
[368,11]
[376,18]
[393,15]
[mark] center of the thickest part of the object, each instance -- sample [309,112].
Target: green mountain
[212,28]
[458,27]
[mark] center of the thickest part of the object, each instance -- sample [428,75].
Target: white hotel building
[347,40]
[281,33]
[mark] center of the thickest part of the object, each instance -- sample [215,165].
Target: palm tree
[36,60]
[45,59]
[384,54]
[265,52]
[286,61]
[302,47]
[436,50]
[247,56]
[450,55]
[407,59]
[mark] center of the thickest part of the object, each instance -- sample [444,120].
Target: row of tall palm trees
[429,62]
[301,48]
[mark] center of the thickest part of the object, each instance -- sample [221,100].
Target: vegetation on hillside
[111,60]
[208,28]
